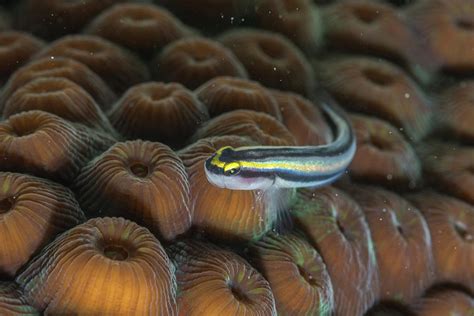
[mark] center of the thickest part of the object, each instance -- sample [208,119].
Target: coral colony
[110,109]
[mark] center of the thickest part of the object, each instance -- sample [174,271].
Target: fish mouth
[214,175]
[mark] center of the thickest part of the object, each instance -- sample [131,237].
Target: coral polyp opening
[6,205]
[138,18]
[307,275]
[25,130]
[140,170]
[200,58]
[378,78]
[341,228]
[271,50]
[116,252]
[380,143]
[460,229]
[239,293]
[159,94]
[400,230]
[465,24]
[366,15]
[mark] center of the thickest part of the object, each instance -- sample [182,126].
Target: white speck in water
[407,95]
[389,177]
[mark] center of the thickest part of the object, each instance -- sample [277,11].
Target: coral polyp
[41,207]
[194,61]
[224,94]
[140,180]
[213,281]
[111,257]
[291,265]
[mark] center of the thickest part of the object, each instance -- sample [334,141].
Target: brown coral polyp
[16,48]
[455,111]
[46,145]
[139,180]
[60,68]
[383,155]
[157,111]
[303,119]
[194,61]
[37,206]
[53,18]
[225,94]
[143,28]
[345,22]
[214,281]
[451,223]
[271,59]
[445,302]
[402,243]
[107,266]
[449,168]
[379,88]
[444,24]
[298,20]
[215,209]
[59,96]
[114,64]
[291,265]
[259,127]
[335,225]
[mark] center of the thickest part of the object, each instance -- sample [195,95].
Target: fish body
[264,167]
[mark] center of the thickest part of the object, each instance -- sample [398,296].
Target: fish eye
[232,168]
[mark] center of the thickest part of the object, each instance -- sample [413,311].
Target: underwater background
[110,108]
